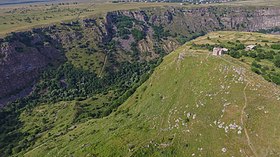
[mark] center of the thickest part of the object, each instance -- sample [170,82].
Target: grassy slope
[154,121]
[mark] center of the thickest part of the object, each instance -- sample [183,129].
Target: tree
[253,54]
[256,65]
[239,47]
[235,54]
[256,70]
[277,61]
[137,34]
[261,55]
[276,46]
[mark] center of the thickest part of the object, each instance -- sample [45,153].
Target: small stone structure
[217,51]
[250,47]
[181,56]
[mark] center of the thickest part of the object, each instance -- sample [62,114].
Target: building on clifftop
[217,51]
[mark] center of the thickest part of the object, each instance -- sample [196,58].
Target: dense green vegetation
[160,33]
[137,34]
[125,25]
[68,83]
[75,83]
[183,39]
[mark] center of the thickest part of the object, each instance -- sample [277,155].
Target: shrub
[261,55]
[235,54]
[256,65]
[182,39]
[277,61]
[159,32]
[239,47]
[253,54]
[2,55]
[123,32]
[256,70]
[19,49]
[137,34]
[275,46]
[275,77]
[124,22]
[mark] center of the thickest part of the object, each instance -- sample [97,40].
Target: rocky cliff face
[24,55]
[190,23]
[209,18]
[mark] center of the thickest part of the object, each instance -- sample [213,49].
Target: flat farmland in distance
[17,18]
[272,3]
[25,16]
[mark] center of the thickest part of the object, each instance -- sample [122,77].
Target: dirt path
[242,122]
[242,116]
[105,60]
[26,154]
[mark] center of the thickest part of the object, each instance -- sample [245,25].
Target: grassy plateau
[26,16]
[18,17]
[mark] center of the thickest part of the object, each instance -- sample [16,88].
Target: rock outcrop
[23,58]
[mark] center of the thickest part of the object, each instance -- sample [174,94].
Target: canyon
[25,54]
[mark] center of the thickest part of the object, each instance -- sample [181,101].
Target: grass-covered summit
[194,104]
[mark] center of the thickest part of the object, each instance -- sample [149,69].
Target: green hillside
[194,104]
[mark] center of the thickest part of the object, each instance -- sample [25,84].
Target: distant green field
[272,3]
[23,17]
[194,104]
